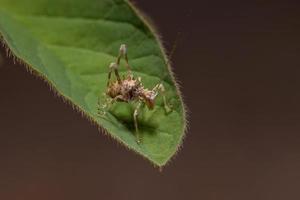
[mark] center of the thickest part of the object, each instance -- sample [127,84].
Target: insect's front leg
[113,67]
[123,53]
[161,89]
[103,107]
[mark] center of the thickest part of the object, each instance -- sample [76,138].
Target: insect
[130,89]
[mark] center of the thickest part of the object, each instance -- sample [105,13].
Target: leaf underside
[70,43]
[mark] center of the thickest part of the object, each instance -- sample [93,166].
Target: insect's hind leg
[135,118]
[160,88]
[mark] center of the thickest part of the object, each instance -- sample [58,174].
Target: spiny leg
[135,118]
[104,107]
[123,53]
[113,67]
[160,88]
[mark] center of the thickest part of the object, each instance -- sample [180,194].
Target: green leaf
[70,44]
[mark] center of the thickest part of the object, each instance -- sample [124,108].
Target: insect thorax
[128,89]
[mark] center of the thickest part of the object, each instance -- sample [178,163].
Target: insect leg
[103,107]
[123,53]
[113,67]
[135,115]
[160,88]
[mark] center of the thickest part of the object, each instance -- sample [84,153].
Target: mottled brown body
[131,89]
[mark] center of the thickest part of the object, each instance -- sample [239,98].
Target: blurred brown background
[238,64]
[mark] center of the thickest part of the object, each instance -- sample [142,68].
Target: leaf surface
[70,43]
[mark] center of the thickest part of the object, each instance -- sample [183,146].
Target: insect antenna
[170,56]
[175,44]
